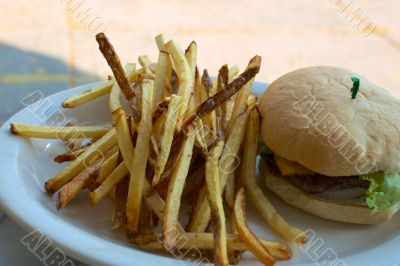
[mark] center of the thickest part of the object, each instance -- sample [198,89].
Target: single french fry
[169,67]
[69,156]
[158,128]
[233,72]
[71,189]
[121,194]
[108,184]
[88,95]
[130,72]
[240,104]
[197,100]
[145,62]
[227,164]
[191,55]
[160,41]
[184,73]
[245,233]
[175,188]
[263,205]
[251,100]
[106,168]
[72,155]
[229,192]
[209,120]
[121,124]
[64,176]
[61,133]
[160,78]
[113,61]
[229,159]
[222,83]
[235,255]
[215,201]
[269,213]
[138,168]
[167,136]
[205,241]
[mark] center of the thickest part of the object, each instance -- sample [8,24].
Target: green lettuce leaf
[384,190]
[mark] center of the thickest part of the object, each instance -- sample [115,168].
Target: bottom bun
[357,213]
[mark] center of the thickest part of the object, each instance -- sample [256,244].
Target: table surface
[12,251]
[38,55]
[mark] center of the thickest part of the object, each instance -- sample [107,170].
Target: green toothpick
[356,87]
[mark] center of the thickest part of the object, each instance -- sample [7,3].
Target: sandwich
[332,145]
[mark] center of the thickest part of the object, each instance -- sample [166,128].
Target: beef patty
[317,183]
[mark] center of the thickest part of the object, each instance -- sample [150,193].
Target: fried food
[88,95]
[60,133]
[245,233]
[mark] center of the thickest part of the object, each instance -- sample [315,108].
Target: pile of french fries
[178,139]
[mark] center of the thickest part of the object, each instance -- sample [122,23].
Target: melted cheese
[291,168]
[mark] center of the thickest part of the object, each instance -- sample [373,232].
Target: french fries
[263,205]
[60,133]
[69,156]
[145,62]
[184,72]
[271,216]
[220,97]
[240,104]
[105,169]
[167,136]
[205,241]
[229,192]
[227,165]
[160,80]
[88,95]
[121,194]
[194,181]
[177,139]
[138,168]
[108,184]
[222,83]
[160,41]
[175,188]
[93,152]
[113,61]
[248,237]
[233,71]
[121,124]
[215,201]
[70,190]
[79,182]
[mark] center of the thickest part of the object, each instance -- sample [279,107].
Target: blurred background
[50,46]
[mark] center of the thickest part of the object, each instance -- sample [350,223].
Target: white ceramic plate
[85,233]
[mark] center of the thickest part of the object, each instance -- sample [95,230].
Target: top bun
[308,116]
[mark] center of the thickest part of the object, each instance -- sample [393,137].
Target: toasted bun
[353,211]
[308,117]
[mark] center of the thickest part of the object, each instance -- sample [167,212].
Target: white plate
[84,232]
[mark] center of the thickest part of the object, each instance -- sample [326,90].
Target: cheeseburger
[332,145]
